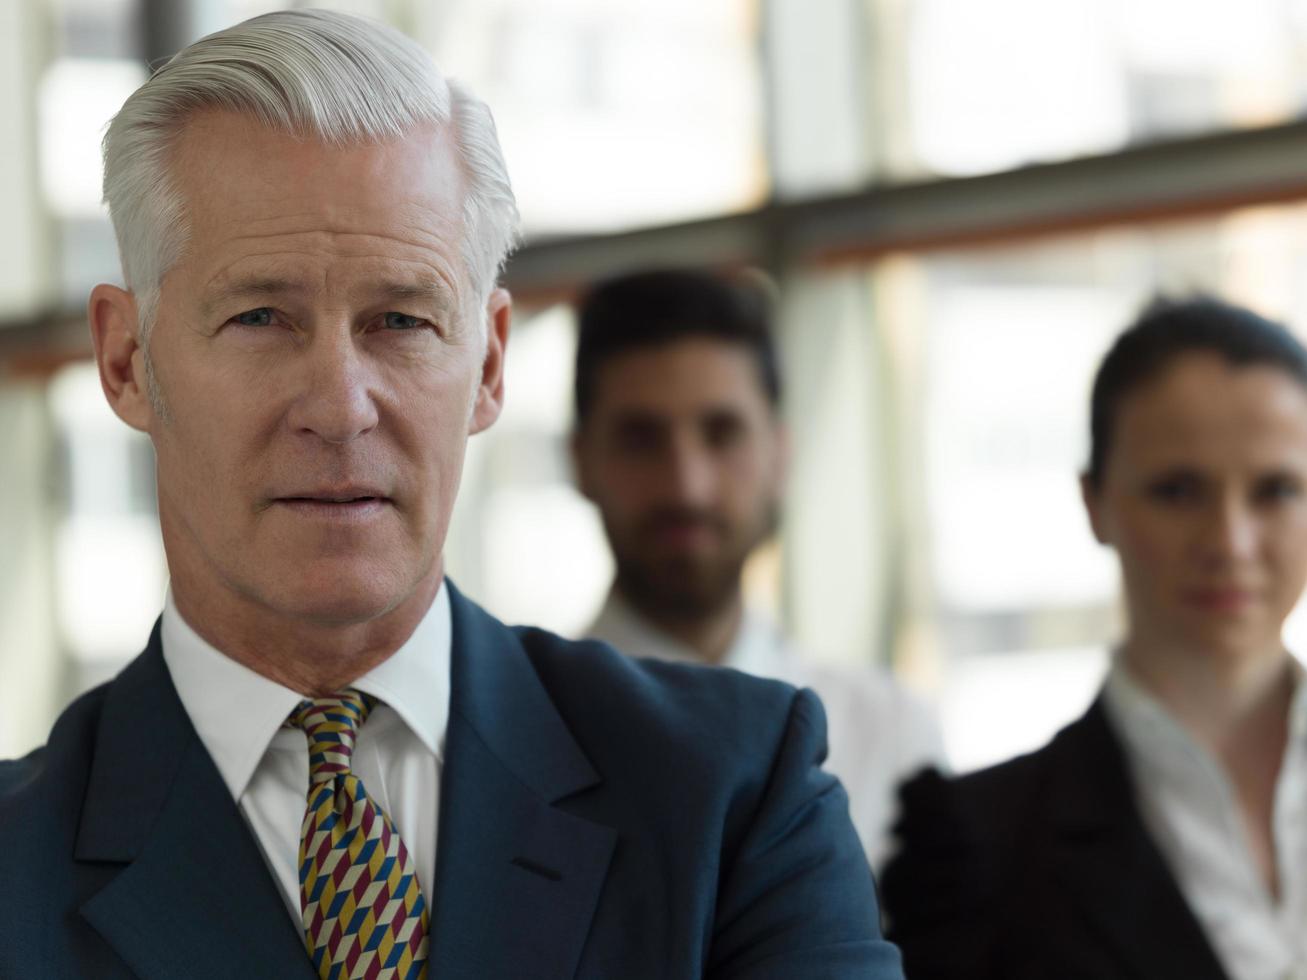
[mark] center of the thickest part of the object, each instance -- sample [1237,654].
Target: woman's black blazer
[1039,869]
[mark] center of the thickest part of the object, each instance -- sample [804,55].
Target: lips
[1220,598]
[337,506]
[334,495]
[320,499]
[681,534]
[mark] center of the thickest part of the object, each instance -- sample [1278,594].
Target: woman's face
[1204,498]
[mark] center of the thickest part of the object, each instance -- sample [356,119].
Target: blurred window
[1020,604]
[937,398]
[989,86]
[611,113]
[95,63]
[109,569]
[78,97]
[26,250]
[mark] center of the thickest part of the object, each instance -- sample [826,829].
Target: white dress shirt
[398,753]
[1189,808]
[878,733]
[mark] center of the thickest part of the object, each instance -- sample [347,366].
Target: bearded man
[680,444]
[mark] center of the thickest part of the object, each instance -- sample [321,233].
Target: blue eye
[261,317]
[402,321]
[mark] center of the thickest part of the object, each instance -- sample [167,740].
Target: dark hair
[658,306]
[1164,331]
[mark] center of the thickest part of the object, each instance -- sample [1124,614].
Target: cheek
[436,454]
[622,483]
[751,481]
[1151,549]
[201,452]
[623,498]
[1287,552]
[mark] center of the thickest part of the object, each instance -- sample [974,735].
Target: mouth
[681,533]
[348,504]
[350,499]
[1220,599]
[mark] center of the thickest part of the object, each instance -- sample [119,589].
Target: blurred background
[960,203]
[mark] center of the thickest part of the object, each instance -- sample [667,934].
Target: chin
[1233,638]
[340,597]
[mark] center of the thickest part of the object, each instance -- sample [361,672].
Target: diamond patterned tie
[364,915]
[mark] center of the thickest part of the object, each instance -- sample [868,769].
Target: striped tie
[364,914]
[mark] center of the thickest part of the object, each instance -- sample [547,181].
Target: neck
[708,634]
[1238,709]
[1233,705]
[309,656]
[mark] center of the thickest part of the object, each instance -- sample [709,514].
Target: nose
[336,402]
[1231,533]
[690,475]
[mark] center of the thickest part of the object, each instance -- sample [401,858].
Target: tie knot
[331,725]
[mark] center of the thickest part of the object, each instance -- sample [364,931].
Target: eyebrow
[427,292]
[247,288]
[439,295]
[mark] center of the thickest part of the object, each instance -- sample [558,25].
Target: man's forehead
[687,378]
[258,166]
[685,367]
[265,211]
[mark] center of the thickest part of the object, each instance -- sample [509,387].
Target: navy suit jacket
[600,818]
[1040,868]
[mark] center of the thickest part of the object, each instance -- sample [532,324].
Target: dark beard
[685,588]
[680,590]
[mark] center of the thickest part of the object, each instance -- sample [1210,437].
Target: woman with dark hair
[1164,834]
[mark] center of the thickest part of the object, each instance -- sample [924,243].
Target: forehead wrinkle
[413,214]
[396,278]
[413,275]
[335,242]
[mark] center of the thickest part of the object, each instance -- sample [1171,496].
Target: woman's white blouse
[1189,808]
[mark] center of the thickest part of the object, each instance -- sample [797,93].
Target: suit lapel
[517,880]
[1107,862]
[195,897]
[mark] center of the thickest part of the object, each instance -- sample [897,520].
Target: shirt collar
[1153,734]
[757,647]
[236,711]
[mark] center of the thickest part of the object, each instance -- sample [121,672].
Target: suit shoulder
[45,785]
[963,832]
[663,685]
[715,715]
[984,803]
[872,706]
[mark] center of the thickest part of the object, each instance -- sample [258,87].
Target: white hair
[314,73]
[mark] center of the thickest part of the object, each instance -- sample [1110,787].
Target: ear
[1094,509]
[118,354]
[490,391]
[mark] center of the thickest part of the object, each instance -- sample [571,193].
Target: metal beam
[1202,175]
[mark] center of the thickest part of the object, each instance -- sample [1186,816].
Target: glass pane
[78,97]
[106,524]
[97,28]
[614,113]
[1010,82]
[25,247]
[611,113]
[1020,603]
